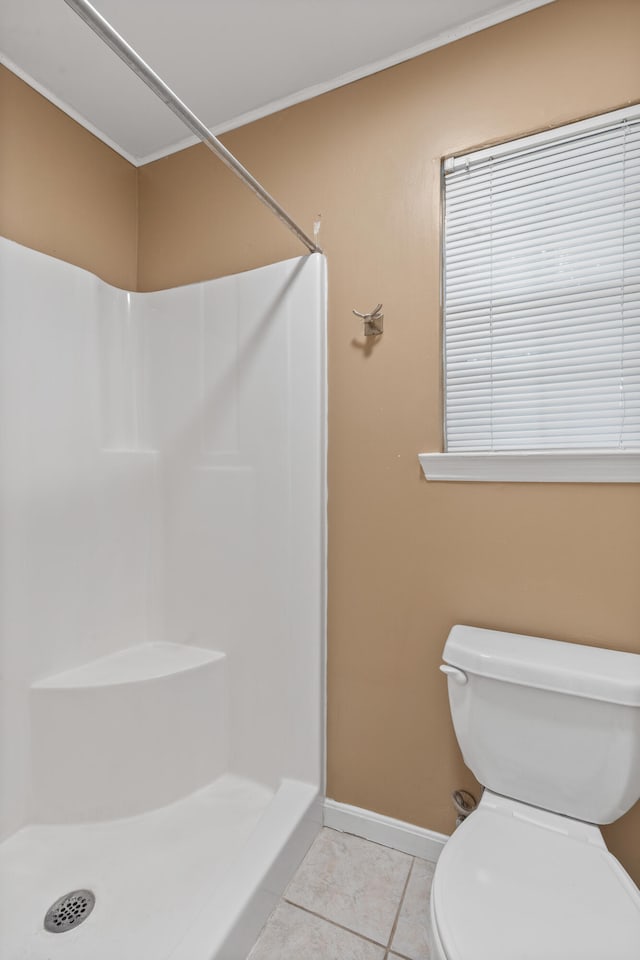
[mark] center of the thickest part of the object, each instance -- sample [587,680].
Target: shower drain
[69,911]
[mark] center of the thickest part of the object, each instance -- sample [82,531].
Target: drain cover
[69,911]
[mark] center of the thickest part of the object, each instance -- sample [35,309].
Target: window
[542,294]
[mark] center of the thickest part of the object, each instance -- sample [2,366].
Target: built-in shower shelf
[128,733]
[147,661]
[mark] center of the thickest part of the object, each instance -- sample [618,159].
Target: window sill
[521,467]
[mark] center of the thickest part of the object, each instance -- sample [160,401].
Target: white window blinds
[542,292]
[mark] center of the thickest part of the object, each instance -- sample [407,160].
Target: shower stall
[162,597]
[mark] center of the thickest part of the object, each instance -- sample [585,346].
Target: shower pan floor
[151,874]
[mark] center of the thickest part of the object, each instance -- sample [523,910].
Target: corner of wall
[137,231]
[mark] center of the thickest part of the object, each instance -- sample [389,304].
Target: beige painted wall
[406,559]
[62,191]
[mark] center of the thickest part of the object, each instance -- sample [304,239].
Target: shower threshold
[194,879]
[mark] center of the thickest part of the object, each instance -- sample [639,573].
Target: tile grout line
[334,923]
[376,943]
[340,926]
[395,922]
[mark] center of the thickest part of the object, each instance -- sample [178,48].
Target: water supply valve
[464,803]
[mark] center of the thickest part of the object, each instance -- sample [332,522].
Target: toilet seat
[517,882]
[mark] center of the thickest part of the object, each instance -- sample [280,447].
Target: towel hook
[373,325]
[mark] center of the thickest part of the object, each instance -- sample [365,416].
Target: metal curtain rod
[126,53]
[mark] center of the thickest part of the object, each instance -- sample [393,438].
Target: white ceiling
[230,60]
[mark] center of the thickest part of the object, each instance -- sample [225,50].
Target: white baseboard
[416,841]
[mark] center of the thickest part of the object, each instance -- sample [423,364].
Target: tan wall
[407,559]
[62,191]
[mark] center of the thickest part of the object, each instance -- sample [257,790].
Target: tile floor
[351,900]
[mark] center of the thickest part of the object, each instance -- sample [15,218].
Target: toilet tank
[552,724]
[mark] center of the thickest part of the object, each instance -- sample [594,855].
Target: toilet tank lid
[571,668]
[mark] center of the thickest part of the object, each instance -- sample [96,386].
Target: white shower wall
[162,479]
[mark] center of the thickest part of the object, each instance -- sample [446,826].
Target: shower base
[194,880]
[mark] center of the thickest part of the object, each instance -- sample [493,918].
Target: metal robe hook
[373,325]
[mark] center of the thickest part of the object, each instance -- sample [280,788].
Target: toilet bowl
[523,879]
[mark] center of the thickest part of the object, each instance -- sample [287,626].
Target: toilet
[552,732]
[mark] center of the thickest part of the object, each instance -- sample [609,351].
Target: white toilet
[552,731]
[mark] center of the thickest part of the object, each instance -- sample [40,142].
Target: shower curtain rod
[126,53]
